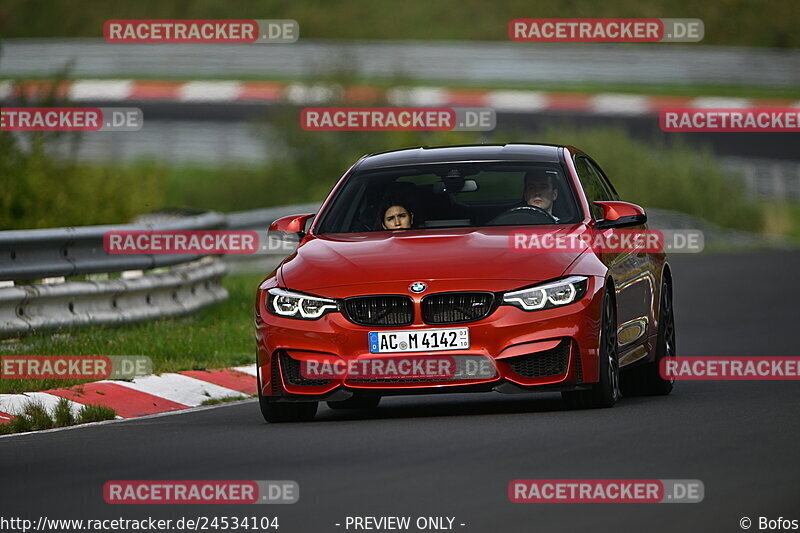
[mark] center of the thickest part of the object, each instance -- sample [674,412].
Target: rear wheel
[646,379]
[605,392]
[357,402]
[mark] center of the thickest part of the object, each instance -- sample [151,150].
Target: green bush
[95,413]
[62,414]
[42,191]
[20,424]
[34,417]
[678,177]
[37,415]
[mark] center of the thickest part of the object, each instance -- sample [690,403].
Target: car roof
[545,153]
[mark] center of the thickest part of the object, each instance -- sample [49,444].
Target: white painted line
[114,90]
[620,104]
[180,389]
[209,91]
[249,369]
[720,103]
[517,100]
[417,96]
[14,404]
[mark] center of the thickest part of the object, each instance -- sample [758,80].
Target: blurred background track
[496,62]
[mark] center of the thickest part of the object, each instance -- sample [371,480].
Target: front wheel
[646,380]
[287,411]
[273,411]
[605,392]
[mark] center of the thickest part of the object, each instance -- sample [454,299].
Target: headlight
[553,294]
[296,305]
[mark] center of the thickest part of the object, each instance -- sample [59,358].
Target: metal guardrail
[767,179]
[26,309]
[37,254]
[150,286]
[260,219]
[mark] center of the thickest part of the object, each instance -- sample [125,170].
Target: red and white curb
[145,395]
[210,91]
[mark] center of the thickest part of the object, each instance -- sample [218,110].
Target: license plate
[423,340]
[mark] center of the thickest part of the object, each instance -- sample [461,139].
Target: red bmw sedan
[458,269]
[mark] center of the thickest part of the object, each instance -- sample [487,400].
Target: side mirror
[620,215]
[292,224]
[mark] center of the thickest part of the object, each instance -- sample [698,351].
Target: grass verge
[34,416]
[226,399]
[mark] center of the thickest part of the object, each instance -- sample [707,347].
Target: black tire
[646,379]
[287,411]
[357,402]
[605,392]
[274,412]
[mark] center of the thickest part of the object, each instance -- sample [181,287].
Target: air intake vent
[456,307]
[380,310]
[292,373]
[551,362]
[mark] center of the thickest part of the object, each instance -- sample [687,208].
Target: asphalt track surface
[454,455]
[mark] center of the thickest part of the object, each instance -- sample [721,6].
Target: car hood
[420,255]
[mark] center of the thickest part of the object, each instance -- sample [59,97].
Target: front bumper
[551,349]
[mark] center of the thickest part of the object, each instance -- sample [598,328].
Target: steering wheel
[524,215]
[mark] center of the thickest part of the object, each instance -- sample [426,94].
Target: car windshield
[451,195]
